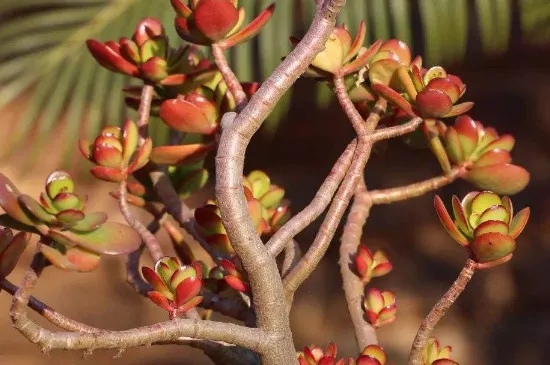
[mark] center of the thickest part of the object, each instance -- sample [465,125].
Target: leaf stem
[438,311]
[229,76]
[144,110]
[148,238]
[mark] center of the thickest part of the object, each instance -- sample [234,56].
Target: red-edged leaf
[180,8]
[492,246]
[215,18]
[459,109]
[160,300]
[108,174]
[9,202]
[156,282]
[381,269]
[184,116]
[433,103]
[250,30]
[173,155]
[187,289]
[448,223]
[376,352]
[192,303]
[362,59]
[109,59]
[518,223]
[74,259]
[358,42]
[491,226]
[505,179]
[236,283]
[394,97]
[367,360]
[494,157]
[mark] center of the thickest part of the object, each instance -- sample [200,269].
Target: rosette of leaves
[176,287]
[434,354]
[372,355]
[484,224]
[11,248]
[313,355]
[380,307]
[485,156]
[147,55]
[265,204]
[369,265]
[342,55]
[117,152]
[208,22]
[419,92]
[79,238]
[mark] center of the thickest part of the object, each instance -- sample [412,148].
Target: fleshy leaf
[74,259]
[9,202]
[251,29]
[518,222]
[90,222]
[9,255]
[172,155]
[504,179]
[448,223]
[492,246]
[111,238]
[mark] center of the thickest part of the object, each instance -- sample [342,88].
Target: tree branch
[438,311]
[237,131]
[396,131]
[388,196]
[148,238]
[317,205]
[292,257]
[251,338]
[49,313]
[144,110]
[353,287]
[233,84]
[340,202]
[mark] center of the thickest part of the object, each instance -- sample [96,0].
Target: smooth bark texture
[365,334]
[267,289]
[229,77]
[438,311]
[317,205]
[251,338]
[144,110]
[148,238]
[340,202]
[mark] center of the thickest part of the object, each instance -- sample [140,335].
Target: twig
[438,311]
[353,287]
[317,205]
[387,196]
[395,131]
[251,338]
[292,257]
[144,110]
[148,238]
[267,289]
[340,202]
[49,313]
[233,84]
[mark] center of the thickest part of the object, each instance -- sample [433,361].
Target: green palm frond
[43,57]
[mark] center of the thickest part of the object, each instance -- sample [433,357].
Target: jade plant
[224,253]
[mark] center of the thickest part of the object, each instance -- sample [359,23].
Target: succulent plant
[176,287]
[188,178]
[314,355]
[435,355]
[11,248]
[265,205]
[429,93]
[146,56]
[485,156]
[370,266]
[80,237]
[191,113]
[117,152]
[380,307]
[484,224]
[207,22]
[383,67]
[372,355]
[341,56]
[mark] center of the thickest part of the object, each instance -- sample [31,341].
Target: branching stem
[229,77]
[438,311]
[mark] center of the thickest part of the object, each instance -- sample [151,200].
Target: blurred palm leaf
[43,57]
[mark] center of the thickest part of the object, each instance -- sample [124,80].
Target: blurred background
[51,91]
